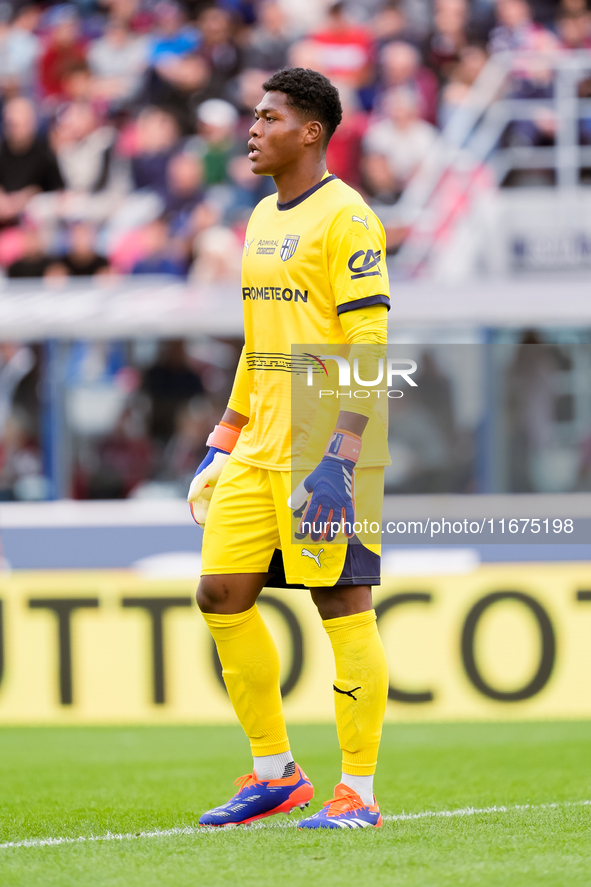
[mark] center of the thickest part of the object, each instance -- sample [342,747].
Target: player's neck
[293,183]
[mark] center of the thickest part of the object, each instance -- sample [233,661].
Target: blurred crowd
[133,417]
[123,130]
[124,122]
[136,417]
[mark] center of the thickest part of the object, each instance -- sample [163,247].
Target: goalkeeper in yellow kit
[313,272]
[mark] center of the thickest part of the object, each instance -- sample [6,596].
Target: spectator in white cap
[216,125]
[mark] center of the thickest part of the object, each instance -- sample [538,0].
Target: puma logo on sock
[347,692]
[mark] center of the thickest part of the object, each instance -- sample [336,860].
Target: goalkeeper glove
[332,484]
[221,442]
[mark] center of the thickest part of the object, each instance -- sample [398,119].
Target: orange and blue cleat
[256,799]
[345,810]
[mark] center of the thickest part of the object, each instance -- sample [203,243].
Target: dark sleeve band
[379,299]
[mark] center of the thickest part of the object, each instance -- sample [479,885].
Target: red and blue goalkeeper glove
[221,442]
[331,506]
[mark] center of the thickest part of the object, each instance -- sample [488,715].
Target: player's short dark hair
[311,94]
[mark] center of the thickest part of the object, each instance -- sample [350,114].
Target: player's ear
[313,132]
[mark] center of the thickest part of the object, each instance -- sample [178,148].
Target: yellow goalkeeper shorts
[250,529]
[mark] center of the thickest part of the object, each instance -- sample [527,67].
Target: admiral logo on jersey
[289,246]
[267,247]
[362,262]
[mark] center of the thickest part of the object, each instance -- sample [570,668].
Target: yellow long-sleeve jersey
[307,265]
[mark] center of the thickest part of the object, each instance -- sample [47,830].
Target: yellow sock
[361,689]
[250,664]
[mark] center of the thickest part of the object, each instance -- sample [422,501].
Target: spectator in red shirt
[344,153]
[65,48]
[346,48]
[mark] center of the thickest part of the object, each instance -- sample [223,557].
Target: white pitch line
[194,830]
[476,811]
[109,836]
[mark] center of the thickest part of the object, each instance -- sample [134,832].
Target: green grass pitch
[70,782]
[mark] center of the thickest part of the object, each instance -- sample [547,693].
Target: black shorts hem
[357,556]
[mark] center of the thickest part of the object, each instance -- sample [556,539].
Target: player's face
[277,137]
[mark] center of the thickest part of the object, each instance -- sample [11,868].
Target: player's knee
[211,594]
[338,601]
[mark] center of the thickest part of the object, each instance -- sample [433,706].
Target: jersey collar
[297,200]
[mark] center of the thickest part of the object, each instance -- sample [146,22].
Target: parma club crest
[289,246]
